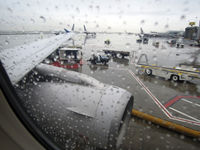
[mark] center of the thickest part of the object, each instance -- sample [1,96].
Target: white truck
[175,74]
[182,72]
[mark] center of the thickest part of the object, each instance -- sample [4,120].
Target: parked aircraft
[168,34]
[65,31]
[143,37]
[90,111]
[88,34]
[92,34]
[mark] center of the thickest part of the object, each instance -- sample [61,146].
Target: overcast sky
[98,15]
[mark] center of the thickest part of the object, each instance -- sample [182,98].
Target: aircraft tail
[84,28]
[73,27]
[67,31]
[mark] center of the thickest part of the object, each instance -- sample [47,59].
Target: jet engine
[72,107]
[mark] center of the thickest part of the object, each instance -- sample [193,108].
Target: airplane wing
[20,60]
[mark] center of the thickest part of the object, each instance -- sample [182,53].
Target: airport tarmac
[177,102]
[173,101]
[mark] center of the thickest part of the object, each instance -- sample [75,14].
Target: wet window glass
[116,74]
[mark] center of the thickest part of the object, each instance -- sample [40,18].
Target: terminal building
[192,33]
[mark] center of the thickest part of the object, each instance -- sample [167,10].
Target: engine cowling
[82,109]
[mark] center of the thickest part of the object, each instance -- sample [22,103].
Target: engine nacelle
[82,109]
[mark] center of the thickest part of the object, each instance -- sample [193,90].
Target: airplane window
[116,74]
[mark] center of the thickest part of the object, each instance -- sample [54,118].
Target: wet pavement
[177,102]
[143,134]
[153,95]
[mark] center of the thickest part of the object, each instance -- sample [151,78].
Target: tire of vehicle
[93,62]
[175,78]
[120,56]
[148,72]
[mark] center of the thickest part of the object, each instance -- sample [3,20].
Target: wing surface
[20,60]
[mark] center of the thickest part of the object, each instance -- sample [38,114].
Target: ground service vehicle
[169,73]
[182,72]
[116,53]
[67,57]
[99,59]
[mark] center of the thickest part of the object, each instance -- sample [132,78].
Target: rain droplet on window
[32,20]
[90,6]
[182,17]
[142,21]
[77,9]
[155,58]
[185,9]
[6,42]
[72,16]
[166,26]
[128,45]
[97,7]
[43,18]
[56,7]
[10,10]
[97,26]
[185,2]
[109,27]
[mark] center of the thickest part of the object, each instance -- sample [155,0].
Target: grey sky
[98,15]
